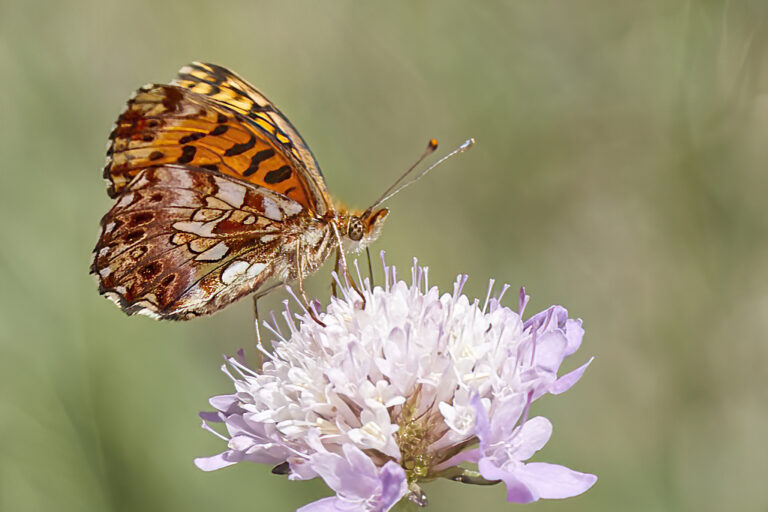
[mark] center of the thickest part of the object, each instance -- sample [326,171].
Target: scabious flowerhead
[384,397]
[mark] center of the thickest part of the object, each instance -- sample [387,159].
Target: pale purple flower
[386,397]
[358,482]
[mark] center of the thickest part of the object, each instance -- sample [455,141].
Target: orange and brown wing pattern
[166,125]
[183,242]
[227,88]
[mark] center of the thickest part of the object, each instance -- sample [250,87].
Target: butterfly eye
[356,229]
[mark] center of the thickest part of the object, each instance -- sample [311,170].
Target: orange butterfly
[216,192]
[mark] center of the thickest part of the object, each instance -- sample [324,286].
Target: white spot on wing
[104,273]
[109,227]
[113,297]
[215,253]
[183,198]
[234,271]
[195,296]
[291,208]
[271,210]
[175,176]
[141,182]
[125,200]
[204,229]
[206,214]
[149,313]
[255,270]
[230,192]
[216,203]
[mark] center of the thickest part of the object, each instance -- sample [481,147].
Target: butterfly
[215,193]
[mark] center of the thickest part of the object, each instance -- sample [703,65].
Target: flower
[399,389]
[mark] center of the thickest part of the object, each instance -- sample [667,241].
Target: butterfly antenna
[370,268]
[397,186]
[431,147]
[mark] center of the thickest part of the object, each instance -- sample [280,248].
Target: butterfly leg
[354,286]
[340,257]
[300,265]
[336,267]
[259,355]
[256,297]
[370,267]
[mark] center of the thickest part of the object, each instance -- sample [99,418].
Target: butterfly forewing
[181,241]
[165,124]
[227,88]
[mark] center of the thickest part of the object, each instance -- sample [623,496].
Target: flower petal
[532,437]
[517,490]
[574,332]
[565,382]
[551,481]
[331,504]
[215,462]
[393,485]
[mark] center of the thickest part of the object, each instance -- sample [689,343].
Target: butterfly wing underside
[182,242]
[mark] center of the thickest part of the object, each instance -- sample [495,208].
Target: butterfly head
[361,229]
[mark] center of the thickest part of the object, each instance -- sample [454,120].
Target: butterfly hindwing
[182,242]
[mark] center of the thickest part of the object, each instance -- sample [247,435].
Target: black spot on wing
[191,137]
[278,175]
[142,218]
[151,270]
[134,236]
[216,73]
[257,159]
[187,154]
[172,99]
[256,108]
[238,149]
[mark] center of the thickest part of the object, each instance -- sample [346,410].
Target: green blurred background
[620,171]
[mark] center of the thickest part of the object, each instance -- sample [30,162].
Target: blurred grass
[620,170]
